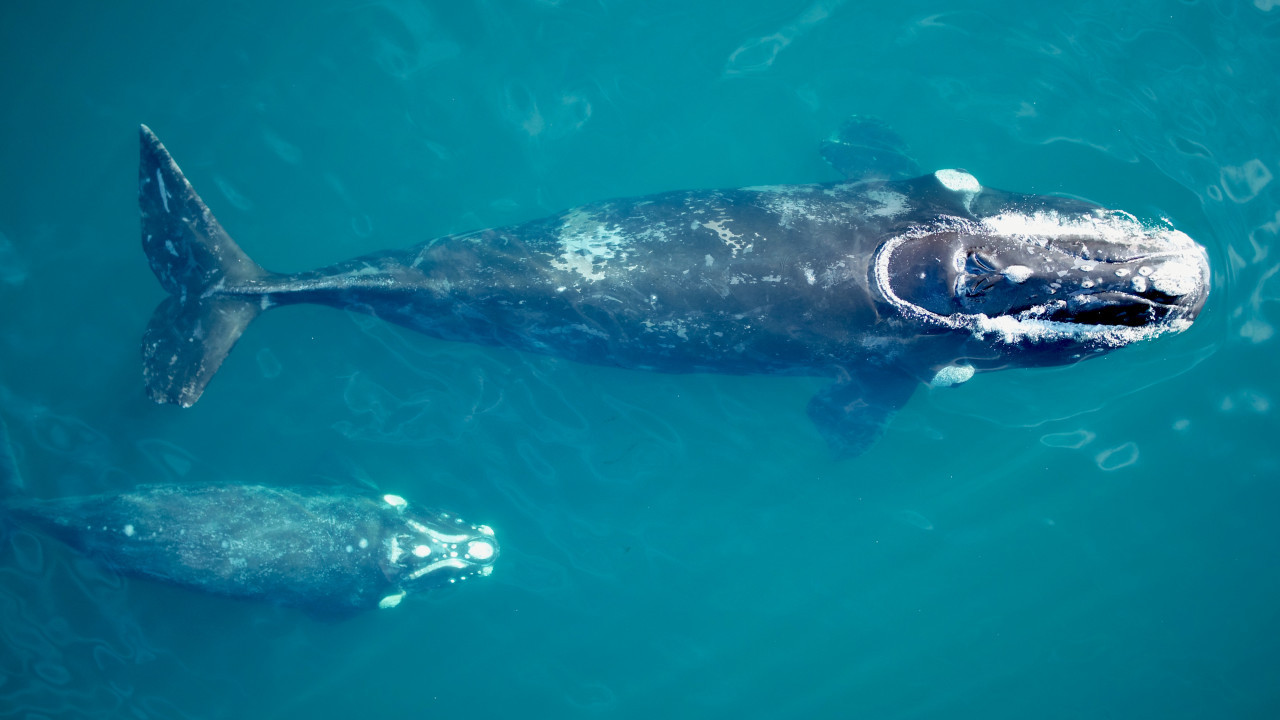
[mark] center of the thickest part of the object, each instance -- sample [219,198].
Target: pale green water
[683,546]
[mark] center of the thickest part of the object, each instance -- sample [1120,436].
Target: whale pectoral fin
[868,149]
[852,412]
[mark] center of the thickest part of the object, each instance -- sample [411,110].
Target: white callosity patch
[586,242]
[961,182]
[394,501]
[454,563]
[1176,278]
[391,601]
[1109,226]
[1017,273]
[421,551]
[1182,263]
[952,375]
[480,550]
[128,531]
[958,181]
[1012,330]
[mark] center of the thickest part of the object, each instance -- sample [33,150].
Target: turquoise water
[1096,541]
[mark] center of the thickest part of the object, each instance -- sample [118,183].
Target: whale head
[433,549]
[1043,273]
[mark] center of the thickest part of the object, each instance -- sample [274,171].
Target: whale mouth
[1116,308]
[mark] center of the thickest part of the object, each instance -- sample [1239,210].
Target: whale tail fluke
[192,331]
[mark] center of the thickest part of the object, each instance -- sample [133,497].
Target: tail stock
[192,331]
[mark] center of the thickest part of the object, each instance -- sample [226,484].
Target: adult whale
[880,285]
[330,551]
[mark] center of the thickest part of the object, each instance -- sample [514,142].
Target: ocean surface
[1091,541]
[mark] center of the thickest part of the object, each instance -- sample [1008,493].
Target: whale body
[881,285]
[331,552]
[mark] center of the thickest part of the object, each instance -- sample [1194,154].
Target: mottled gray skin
[736,281]
[298,547]
[791,280]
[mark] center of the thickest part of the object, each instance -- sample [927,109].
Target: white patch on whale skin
[164,193]
[655,232]
[791,208]
[676,327]
[958,181]
[1017,273]
[836,205]
[479,550]
[889,204]
[729,237]
[1181,269]
[952,375]
[584,242]
[128,531]
[391,601]
[781,189]
[1011,330]
[809,275]
[1114,227]
[1176,278]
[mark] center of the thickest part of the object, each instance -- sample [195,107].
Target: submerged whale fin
[868,149]
[851,413]
[185,342]
[194,259]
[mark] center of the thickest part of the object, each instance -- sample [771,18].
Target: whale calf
[330,552]
[880,285]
